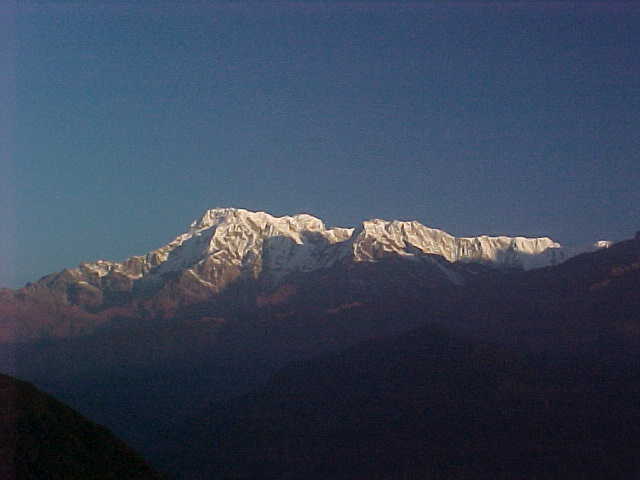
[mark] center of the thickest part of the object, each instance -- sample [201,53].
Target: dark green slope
[41,438]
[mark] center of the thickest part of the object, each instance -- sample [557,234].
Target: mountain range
[251,336]
[228,246]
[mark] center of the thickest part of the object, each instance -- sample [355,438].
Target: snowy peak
[227,243]
[251,240]
[228,225]
[378,238]
[601,244]
[520,252]
[259,221]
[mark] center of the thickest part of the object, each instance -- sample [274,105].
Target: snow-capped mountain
[226,243]
[257,243]
[258,253]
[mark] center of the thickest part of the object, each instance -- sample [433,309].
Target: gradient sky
[124,121]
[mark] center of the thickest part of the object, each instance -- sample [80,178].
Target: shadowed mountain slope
[211,351]
[42,438]
[589,304]
[528,375]
[424,405]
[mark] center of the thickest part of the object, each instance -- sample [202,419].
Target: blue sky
[126,120]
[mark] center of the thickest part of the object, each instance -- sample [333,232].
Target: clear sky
[124,121]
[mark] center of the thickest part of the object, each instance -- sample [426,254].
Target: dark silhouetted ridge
[41,438]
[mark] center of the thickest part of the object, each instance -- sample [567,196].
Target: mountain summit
[229,246]
[257,243]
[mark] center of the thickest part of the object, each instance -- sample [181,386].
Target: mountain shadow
[526,375]
[41,438]
[424,405]
[143,377]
